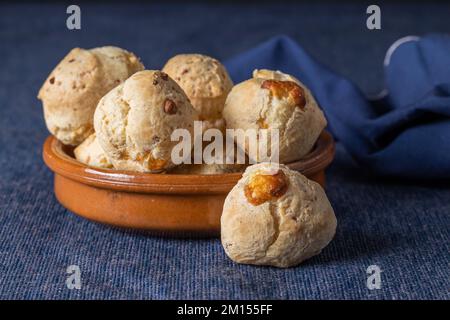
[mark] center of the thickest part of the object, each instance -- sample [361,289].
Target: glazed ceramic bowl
[168,204]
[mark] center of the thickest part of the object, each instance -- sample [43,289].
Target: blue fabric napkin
[404,134]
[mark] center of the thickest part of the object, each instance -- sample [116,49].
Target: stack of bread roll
[119,116]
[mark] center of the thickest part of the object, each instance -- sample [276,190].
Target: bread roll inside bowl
[90,153]
[274,100]
[206,83]
[73,89]
[135,120]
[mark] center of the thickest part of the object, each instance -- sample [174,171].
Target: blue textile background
[403,227]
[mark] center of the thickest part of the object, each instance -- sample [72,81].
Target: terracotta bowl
[169,204]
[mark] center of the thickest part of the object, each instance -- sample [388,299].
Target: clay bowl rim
[57,159]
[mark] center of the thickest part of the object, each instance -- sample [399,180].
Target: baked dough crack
[273,210]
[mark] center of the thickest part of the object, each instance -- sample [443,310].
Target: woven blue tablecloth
[402,227]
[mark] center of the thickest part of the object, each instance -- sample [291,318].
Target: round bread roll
[274,100]
[205,81]
[89,152]
[275,216]
[74,88]
[135,120]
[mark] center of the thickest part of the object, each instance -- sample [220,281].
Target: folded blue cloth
[404,134]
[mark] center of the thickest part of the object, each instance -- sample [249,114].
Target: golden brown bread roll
[274,100]
[134,121]
[72,90]
[275,216]
[89,152]
[206,83]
